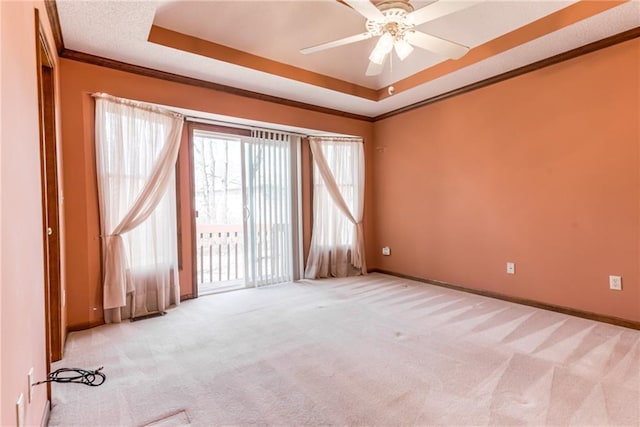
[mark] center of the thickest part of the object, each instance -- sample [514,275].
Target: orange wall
[184,198]
[22,324]
[541,170]
[78,81]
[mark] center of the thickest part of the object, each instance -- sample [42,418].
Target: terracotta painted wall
[22,337]
[186,245]
[542,170]
[78,81]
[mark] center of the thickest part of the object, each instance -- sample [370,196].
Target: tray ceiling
[254,45]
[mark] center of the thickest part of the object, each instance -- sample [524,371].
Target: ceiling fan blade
[374,69]
[437,45]
[366,9]
[437,10]
[336,43]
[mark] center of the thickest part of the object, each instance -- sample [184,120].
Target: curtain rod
[195,119]
[138,104]
[240,126]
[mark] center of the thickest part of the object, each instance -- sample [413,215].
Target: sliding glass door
[247,209]
[217,171]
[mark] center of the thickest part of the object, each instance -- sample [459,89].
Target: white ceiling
[277,30]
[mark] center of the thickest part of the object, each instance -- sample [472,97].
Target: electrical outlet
[386,251]
[615,283]
[511,268]
[30,380]
[20,411]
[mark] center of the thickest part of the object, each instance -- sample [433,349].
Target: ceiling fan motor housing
[394,23]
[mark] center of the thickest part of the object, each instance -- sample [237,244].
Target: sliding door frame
[191,128]
[296,195]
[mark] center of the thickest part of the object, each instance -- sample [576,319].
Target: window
[337,243]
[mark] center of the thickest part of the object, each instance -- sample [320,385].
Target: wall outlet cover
[511,268]
[386,251]
[615,283]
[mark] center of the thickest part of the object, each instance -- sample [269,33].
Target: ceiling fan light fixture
[377,56]
[385,44]
[403,48]
[383,47]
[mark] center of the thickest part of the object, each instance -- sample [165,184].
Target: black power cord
[76,375]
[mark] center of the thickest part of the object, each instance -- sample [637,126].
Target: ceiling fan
[394,22]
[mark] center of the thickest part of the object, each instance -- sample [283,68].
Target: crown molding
[565,56]
[54,21]
[52,12]
[176,78]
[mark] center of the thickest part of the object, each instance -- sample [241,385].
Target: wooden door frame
[192,126]
[50,201]
[298,208]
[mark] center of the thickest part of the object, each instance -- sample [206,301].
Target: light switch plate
[30,381]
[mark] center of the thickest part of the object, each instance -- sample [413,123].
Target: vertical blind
[268,187]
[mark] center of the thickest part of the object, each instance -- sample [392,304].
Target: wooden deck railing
[220,251]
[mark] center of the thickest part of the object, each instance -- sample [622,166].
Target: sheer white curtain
[136,151]
[337,240]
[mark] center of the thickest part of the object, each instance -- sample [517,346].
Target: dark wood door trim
[50,200]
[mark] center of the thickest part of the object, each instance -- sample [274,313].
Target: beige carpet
[359,351]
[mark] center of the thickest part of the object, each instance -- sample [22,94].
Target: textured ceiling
[273,32]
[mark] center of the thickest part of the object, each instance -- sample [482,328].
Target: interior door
[54,294]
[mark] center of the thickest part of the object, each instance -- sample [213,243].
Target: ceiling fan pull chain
[391,89]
